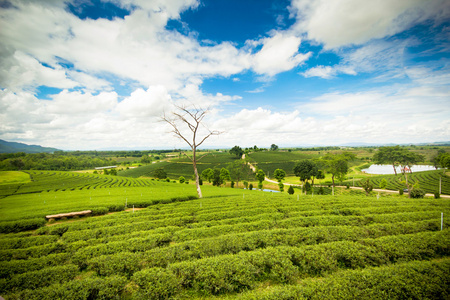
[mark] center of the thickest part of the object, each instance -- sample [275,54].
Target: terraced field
[249,246]
[428,181]
[68,181]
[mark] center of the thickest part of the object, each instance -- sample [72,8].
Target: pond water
[388,169]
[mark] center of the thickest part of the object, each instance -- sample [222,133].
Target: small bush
[97,211]
[437,195]
[156,283]
[181,179]
[417,193]
[400,192]
[250,187]
[321,191]
[290,190]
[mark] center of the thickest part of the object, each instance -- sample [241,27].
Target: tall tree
[193,119]
[306,170]
[273,147]
[388,155]
[260,176]
[236,150]
[208,174]
[407,159]
[239,170]
[279,174]
[336,165]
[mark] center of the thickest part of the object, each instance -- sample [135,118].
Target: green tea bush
[39,278]
[156,283]
[87,288]
[121,263]
[414,280]
[21,225]
[417,193]
[12,267]
[26,242]
[97,211]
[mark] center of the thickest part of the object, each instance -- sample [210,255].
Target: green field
[13,177]
[177,167]
[427,181]
[232,244]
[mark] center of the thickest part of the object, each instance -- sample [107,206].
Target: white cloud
[22,71]
[81,103]
[150,103]
[325,72]
[278,54]
[352,22]
[376,57]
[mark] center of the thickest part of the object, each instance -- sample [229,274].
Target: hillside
[13,147]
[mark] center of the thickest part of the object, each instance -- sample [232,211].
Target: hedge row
[21,225]
[9,268]
[39,278]
[83,289]
[412,280]
[234,243]
[235,273]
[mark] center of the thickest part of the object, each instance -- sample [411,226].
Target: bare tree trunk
[192,119]
[197,179]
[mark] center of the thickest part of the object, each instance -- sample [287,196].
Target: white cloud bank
[39,38]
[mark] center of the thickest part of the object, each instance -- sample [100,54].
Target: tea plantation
[232,244]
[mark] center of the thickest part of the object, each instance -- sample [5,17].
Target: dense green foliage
[232,246]
[44,161]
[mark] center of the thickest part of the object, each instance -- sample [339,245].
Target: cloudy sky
[100,74]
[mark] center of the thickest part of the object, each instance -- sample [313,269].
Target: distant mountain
[13,147]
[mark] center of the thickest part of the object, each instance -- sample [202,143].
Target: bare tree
[191,118]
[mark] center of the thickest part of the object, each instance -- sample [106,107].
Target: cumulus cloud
[150,103]
[353,22]
[279,53]
[81,103]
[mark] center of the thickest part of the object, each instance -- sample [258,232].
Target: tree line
[59,161]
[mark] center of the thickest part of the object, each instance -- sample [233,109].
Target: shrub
[417,193]
[290,190]
[181,179]
[97,211]
[400,192]
[121,263]
[321,191]
[437,195]
[119,207]
[156,283]
[250,187]
[21,225]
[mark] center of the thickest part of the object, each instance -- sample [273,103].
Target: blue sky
[99,74]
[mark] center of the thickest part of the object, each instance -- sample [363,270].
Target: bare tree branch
[192,119]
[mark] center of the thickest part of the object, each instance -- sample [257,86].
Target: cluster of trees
[442,160]
[238,151]
[235,172]
[59,161]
